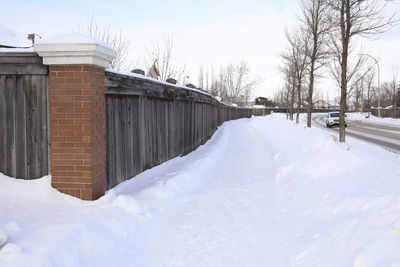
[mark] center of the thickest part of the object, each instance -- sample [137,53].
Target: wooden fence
[387,113]
[149,122]
[24,140]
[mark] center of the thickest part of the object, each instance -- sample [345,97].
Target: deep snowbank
[342,200]
[372,119]
[261,192]
[53,229]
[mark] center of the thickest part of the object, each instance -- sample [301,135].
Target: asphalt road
[386,136]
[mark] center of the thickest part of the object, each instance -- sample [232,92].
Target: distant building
[264,102]
[323,104]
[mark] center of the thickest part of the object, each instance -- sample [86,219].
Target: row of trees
[325,39]
[365,93]
[233,83]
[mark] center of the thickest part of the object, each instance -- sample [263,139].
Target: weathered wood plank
[10,125]
[3,125]
[23,69]
[20,128]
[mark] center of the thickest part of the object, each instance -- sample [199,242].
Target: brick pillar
[77,130]
[77,114]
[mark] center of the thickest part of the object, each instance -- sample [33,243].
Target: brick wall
[77,125]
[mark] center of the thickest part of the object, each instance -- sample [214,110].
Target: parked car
[333,119]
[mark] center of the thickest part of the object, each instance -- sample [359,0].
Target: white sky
[204,32]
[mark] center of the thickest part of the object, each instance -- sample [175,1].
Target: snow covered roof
[257,106]
[329,102]
[13,39]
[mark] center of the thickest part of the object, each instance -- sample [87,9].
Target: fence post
[77,113]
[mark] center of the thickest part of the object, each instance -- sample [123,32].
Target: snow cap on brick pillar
[72,49]
[77,112]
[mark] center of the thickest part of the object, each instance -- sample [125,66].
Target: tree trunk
[310,95]
[369,102]
[287,104]
[292,99]
[393,100]
[298,101]
[345,29]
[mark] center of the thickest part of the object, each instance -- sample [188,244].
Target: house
[323,104]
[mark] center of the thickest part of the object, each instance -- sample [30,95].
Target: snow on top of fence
[17,50]
[144,77]
[150,79]
[12,38]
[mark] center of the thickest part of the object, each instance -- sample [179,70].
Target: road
[386,136]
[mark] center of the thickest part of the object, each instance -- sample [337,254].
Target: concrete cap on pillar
[74,49]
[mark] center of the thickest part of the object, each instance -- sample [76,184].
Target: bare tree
[315,23]
[113,38]
[233,84]
[393,85]
[290,84]
[162,56]
[369,80]
[286,92]
[206,77]
[349,19]
[218,86]
[201,78]
[358,93]
[239,82]
[296,57]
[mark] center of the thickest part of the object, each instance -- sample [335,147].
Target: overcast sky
[204,32]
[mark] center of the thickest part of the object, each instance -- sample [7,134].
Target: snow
[72,38]
[258,106]
[12,38]
[3,238]
[372,119]
[144,77]
[17,50]
[261,192]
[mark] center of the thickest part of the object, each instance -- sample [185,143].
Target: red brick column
[77,130]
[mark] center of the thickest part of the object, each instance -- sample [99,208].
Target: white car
[333,119]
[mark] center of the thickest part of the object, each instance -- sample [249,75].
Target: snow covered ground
[372,119]
[261,192]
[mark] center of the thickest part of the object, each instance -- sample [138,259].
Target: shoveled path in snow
[230,220]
